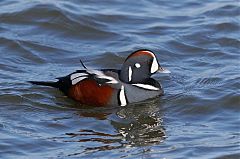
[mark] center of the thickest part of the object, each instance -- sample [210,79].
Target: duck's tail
[50,84]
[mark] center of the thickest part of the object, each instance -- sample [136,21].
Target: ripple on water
[24,54]
[51,19]
[224,11]
[197,116]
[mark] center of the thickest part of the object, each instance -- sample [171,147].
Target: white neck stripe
[129,73]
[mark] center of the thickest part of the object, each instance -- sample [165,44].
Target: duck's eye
[137,65]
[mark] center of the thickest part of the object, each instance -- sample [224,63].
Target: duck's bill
[163,70]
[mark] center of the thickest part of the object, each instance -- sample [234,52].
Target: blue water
[198,117]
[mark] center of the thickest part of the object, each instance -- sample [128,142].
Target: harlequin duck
[133,83]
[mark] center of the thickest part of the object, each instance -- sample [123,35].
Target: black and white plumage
[133,83]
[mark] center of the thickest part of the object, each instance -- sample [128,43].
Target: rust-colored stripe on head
[140,53]
[90,93]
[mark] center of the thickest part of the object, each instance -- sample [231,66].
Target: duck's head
[139,66]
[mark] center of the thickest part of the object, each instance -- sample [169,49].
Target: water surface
[199,41]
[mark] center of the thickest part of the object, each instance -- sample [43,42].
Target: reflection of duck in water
[141,125]
[131,84]
[136,125]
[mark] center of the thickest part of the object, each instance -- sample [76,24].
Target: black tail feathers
[51,84]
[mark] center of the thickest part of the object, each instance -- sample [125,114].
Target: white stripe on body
[122,97]
[146,86]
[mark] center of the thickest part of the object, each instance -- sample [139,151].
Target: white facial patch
[137,65]
[122,97]
[146,86]
[155,65]
[129,73]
